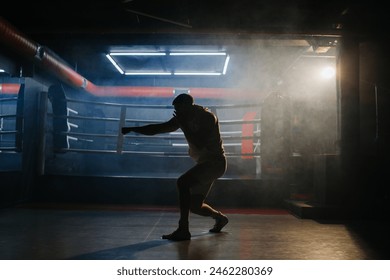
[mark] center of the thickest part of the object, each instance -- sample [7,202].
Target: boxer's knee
[196,203]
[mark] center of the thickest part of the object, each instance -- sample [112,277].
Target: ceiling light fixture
[147,73]
[115,64]
[168,66]
[196,53]
[197,73]
[137,54]
[226,64]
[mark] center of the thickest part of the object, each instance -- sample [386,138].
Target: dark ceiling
[81,33]
[186,16]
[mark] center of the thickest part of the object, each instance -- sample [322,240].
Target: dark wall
[374,128]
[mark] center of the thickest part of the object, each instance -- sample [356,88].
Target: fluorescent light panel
[157,73]
[138,53]
[225,64]
[129,73]
[196,53]
[197,73]
[115,64]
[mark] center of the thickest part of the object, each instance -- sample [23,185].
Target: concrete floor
[131,233]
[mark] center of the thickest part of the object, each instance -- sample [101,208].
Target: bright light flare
[328,72]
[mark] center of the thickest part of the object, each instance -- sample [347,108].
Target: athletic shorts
[203,175]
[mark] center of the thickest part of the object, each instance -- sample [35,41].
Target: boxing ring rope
[174,139]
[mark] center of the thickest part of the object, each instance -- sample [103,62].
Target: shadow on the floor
[182,249]
[373,236]
[121,253]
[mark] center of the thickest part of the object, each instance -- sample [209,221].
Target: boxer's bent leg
[206,173]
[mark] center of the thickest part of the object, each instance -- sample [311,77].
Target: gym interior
[303,117]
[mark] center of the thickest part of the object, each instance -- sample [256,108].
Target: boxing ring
[73,145]
[85,127]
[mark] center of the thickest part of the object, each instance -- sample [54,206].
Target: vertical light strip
[115,64]
[226,64]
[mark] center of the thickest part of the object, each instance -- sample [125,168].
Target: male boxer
[201,130]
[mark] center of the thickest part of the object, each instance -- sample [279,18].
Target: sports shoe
[178,235]
[220,221]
